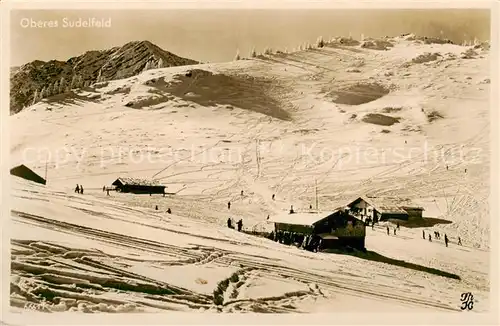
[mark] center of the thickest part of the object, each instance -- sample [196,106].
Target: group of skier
[437,236]
[79,189]
[396,228]
[104,188]
[239,224]
[307,242]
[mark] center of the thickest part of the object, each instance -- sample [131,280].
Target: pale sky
[215,35]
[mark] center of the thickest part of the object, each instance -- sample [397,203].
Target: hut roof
[389,205]
[24,172]
[138,182]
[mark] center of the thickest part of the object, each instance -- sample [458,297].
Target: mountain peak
[33,79]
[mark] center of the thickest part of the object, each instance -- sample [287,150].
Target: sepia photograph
[268,161]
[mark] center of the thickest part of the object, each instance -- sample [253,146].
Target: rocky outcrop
[38,79]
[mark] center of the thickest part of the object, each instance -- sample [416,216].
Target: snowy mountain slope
[355,120]
[90,254]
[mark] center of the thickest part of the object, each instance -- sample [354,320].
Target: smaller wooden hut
[138,186]
[22,171]
[384,208]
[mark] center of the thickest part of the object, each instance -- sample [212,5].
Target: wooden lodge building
[384,208]
[22,171]
[337,229]
[138,186]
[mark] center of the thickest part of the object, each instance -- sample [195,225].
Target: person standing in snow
[430,238]
[423,234]
[387,230]
[394,231]
[242,193]
[107,191]
[240,225]
[446,240]
[229,223]
[228,205]
[169,211]
[81,189]
[273,197]
[459,241]
[103,188]
[397,226]
[77,189]
[156,207]
[310,206]
[318,246]
[291,209]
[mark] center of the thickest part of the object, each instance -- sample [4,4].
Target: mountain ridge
[39,79]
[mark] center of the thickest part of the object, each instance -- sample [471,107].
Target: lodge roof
[308,218]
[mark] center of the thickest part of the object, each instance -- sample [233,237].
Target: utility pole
[257,157]
[316,181]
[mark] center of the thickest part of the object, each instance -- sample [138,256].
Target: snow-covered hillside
[410,121]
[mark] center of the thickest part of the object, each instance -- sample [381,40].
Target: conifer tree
[74,81]
[35,97]
[79,82]
[62,85]
[320,42]
[49,90]
[55,88]
[253,53]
